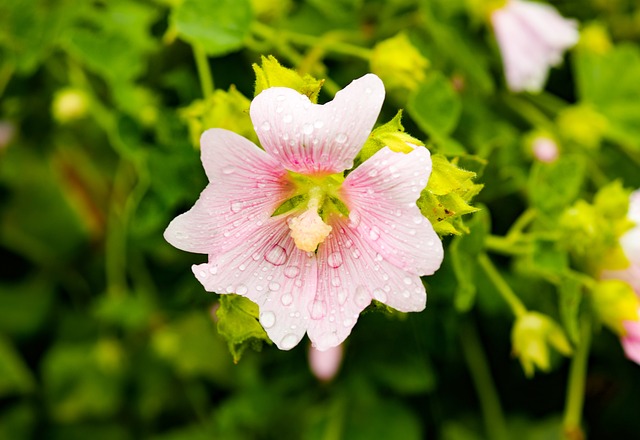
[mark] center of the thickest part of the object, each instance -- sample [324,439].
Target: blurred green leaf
[15,376]
[17,422]
[24,307]
[435,106]
[570,291]
[218,26]
[554,186]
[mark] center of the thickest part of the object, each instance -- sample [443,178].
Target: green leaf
[463,252]
[218,26]
[570,291]
[24,307]
[554,186]
[15,376]
[435,106]
[446,197]
[238,324]
[17,422]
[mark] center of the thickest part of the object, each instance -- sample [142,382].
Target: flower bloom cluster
[532,38]
[283,226]
[630,243]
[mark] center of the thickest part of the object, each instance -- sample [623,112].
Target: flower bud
[594,38]
[398,63]
[614,302]
[69,104]
[544,148]
[325,364]
[531,336]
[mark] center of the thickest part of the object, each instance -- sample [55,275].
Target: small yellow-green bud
[271,74]
[614,302]
[398,63]
[594,38]
[69,104]
[270,10]
[583,125]
[531,336]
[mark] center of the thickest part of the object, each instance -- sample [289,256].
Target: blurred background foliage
[104,331]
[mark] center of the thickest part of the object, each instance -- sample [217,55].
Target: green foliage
[238,324]
[218,26]
[271,74]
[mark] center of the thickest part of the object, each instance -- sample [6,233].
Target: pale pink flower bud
[325,364]
[532,38]
[545,149]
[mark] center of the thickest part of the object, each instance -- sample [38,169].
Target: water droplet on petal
[267,319]
[356,254]
[291,271]
[342,296]
[335,282]
[367,91]
[236,206]
[287,118]
[380,295]
[228,170]
[318,124]
[203,274]
[348,243]
[407,281]
[418,219]
[307,128]
[347,322]
[335,260]
[286,299]
[213,269]
[354,219]
[341,138]
[373,173]
[289,341]
[265,126]
[277,255]
[274,286]
[374,233]
[362,297]
[241,289]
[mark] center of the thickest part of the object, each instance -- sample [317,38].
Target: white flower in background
[532,38]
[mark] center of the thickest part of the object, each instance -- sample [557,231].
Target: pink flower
[545,149]
[630,243]
[325,364]
[379,251]
[631,340]
[532,38]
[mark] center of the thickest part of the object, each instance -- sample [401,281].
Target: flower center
[307,229]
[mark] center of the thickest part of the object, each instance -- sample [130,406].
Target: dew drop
[373,173]
[242,267]
[318,124]
[274,286]
[356,254]
[407,281]
[276,255]
[267,319]
[289,341]
[228,170]
[361,297]
[348,243]
[347,322]
[354,219]
[286,299]
[342,296]
[335,282]
[418,219]
[380,295]
[341,138]
[236,206]
[367,91]
[241,289]
[374,233]
[335,260]
[203,274]
[265,126]
[291,271]
[307,128]
[287,118]
[213,269]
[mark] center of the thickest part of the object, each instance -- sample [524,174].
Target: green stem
[495,425]
[522,222]
[575,389]
[505,246]
[6,72]
[204,71]
[529,112]
[517,307]
[330,44]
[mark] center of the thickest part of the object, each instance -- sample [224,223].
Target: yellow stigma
[307,229]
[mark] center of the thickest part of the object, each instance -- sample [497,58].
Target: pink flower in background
[325,364]
[545,149]
[311,269]
[630,243]
[532,38]
[631,340]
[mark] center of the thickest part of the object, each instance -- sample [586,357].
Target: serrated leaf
[554,186]
[435,106]
[271,74]
[217,26]
[238,324]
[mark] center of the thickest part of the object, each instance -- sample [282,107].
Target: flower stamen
[307,229]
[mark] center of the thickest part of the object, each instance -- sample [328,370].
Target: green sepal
[447,195]
[223,109]
[390,135]
[271,74]
[238,324]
